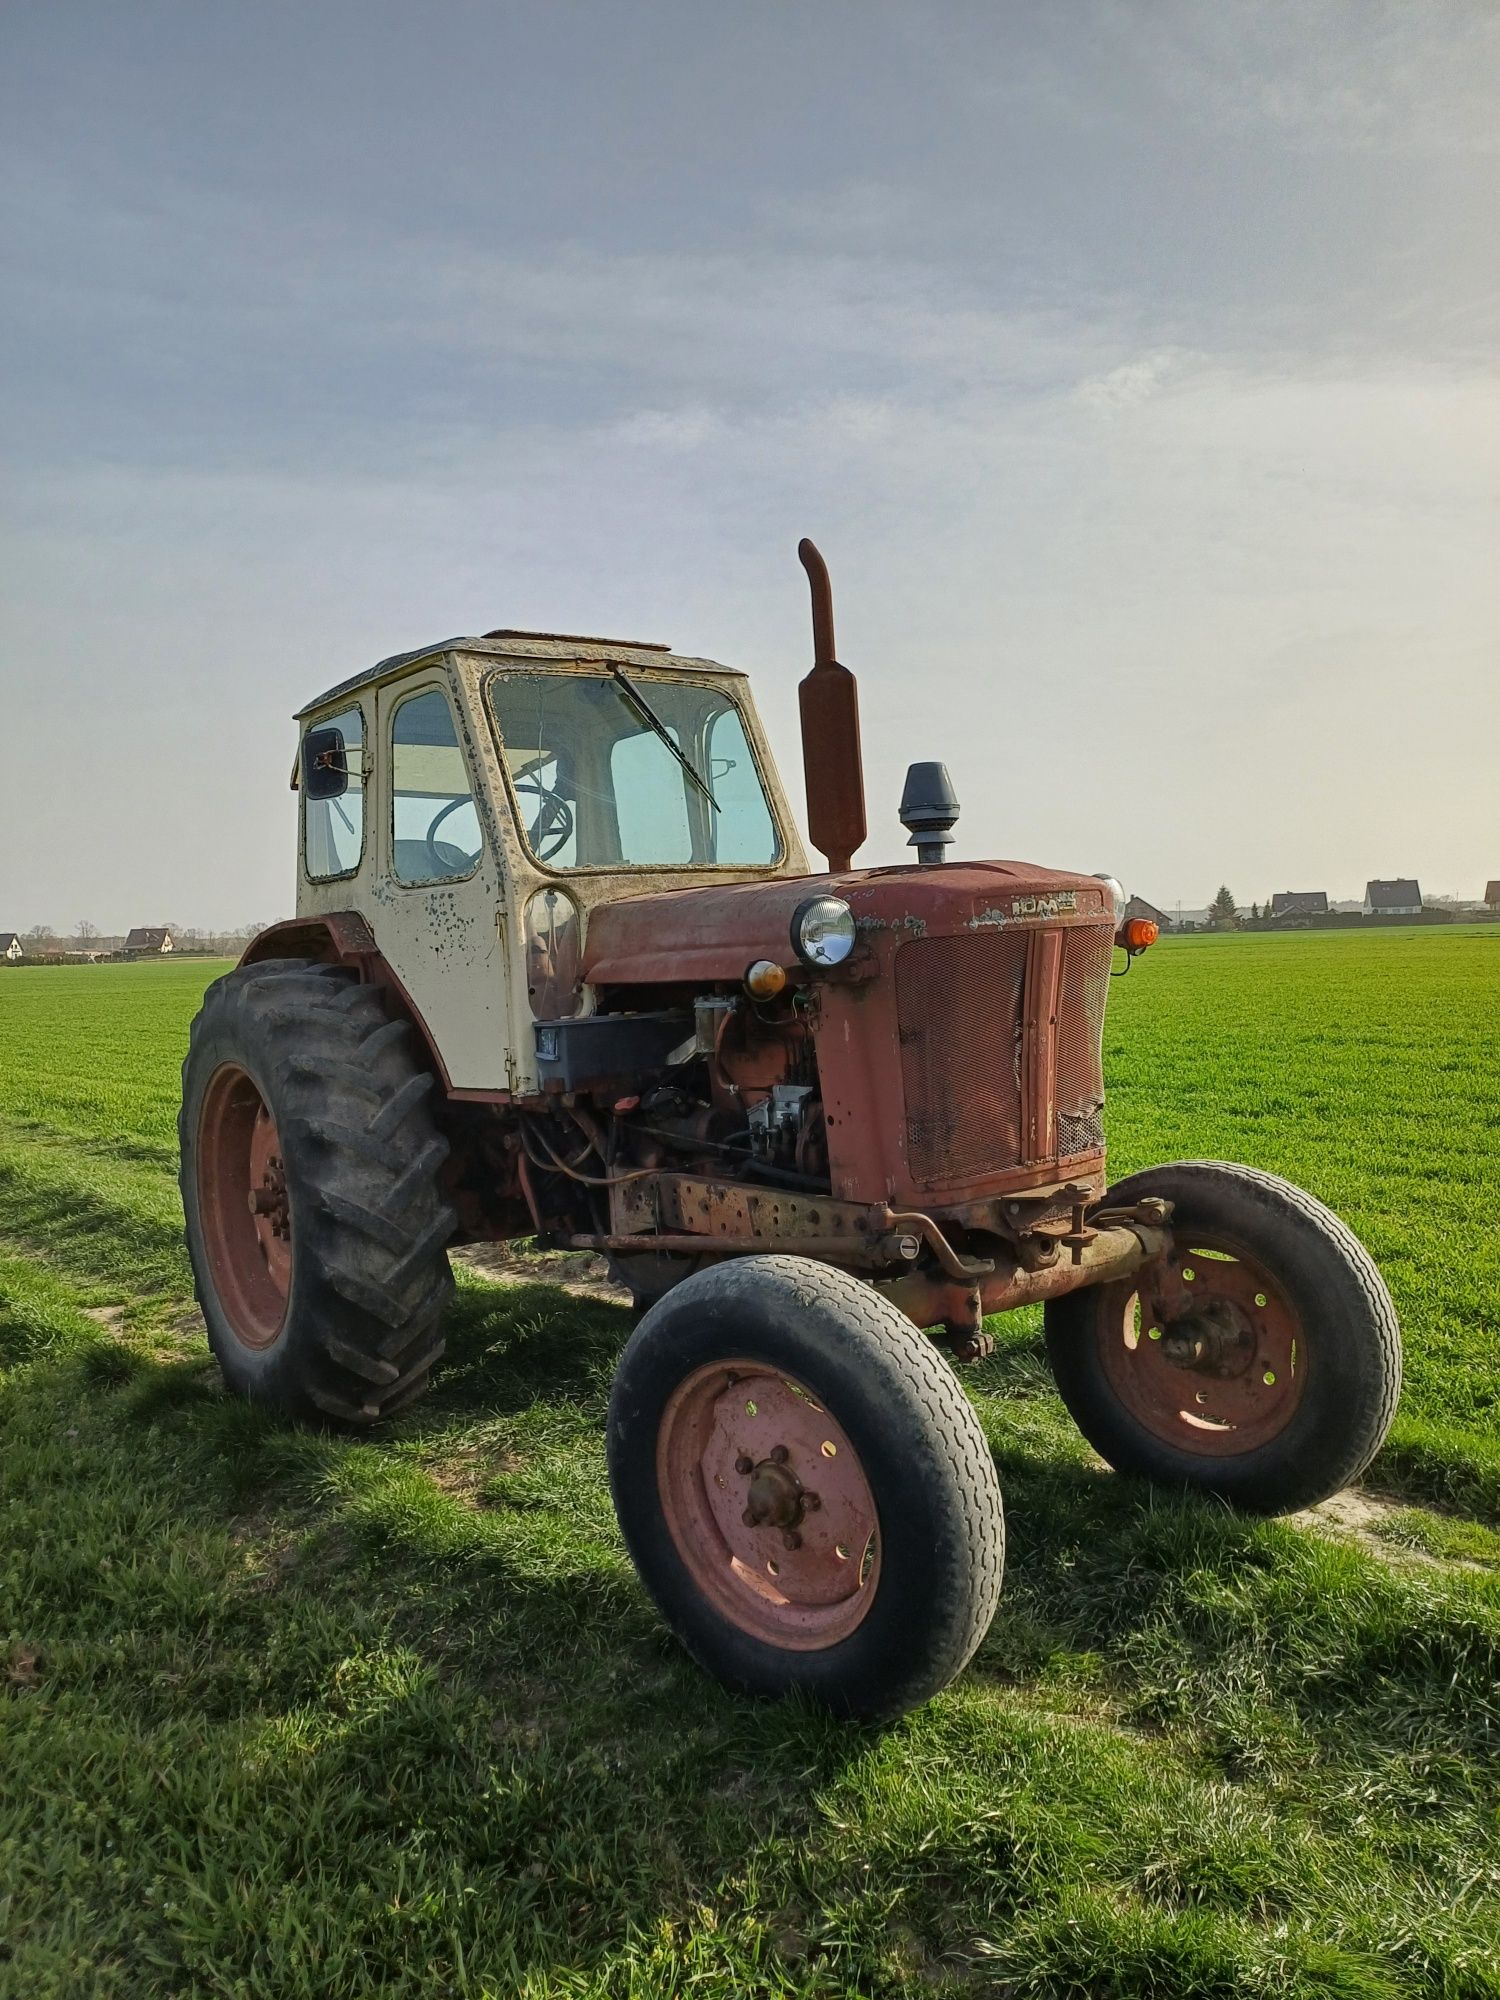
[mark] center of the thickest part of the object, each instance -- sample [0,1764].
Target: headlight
[1117,897]
[823,932]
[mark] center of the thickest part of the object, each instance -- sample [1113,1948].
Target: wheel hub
[738,1449]
[1216,1338]
[1208,1354]
[268,1202]
[776,1497]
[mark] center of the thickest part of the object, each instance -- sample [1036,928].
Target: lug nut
[811,1502]
[779,1454]
[744,1463]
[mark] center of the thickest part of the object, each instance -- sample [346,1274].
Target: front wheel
[804,1487]
[1259,1360]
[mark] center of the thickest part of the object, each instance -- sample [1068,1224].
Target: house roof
[524,647]
[8,938]
[146,937]
[1304,902]
[1137,906]
[1400,894]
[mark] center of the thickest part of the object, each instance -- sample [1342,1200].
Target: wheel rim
[243,1206]
[768,1505]
[1208,1354]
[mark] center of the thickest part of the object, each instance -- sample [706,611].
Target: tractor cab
[474,802]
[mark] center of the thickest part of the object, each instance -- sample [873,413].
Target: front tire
[315,1223]
[1260,1360]
[804,1487]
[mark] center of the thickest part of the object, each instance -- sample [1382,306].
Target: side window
[435,833]
[745,833]
[333,824]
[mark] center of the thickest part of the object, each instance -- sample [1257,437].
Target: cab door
[436,888]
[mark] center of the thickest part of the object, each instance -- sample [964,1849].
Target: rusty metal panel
[1087,956]
[727,1208]
[709,1208]
[632,1207]
[959,1021]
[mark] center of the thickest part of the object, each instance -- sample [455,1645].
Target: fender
[344,938]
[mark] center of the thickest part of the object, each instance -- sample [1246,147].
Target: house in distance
[10,946]
[1294,905]
[1400,898]
[148,941]
[1137,906]
[1492,897]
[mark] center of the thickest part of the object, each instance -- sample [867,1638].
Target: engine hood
[714,933]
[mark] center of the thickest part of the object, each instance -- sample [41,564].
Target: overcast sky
[1135,367]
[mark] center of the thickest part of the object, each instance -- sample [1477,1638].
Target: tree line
[44,940]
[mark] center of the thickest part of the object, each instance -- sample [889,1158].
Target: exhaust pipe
[832,767]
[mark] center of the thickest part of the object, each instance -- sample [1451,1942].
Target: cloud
[1131,383]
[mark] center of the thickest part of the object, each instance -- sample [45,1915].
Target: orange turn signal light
[1138,933]
[765,979]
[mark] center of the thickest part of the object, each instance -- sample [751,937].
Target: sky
[1133,365]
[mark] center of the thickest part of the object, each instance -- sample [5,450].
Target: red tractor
[559,969]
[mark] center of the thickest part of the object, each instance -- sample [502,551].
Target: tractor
[559,970]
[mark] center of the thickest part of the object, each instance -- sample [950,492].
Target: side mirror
[325,764]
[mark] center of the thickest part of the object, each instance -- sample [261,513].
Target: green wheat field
[283,1714]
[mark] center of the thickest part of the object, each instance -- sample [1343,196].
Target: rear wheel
[804,1487]
[315,1223]
[1259,1360]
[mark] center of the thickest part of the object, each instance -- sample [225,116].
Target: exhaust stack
[832,767]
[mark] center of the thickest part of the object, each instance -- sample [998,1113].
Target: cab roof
[525,646]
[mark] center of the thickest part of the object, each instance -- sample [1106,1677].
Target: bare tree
[86,932]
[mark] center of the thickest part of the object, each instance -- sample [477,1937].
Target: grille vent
[958,1006]
[1079,1090]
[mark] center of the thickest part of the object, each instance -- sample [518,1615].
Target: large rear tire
[804,1487]
[315,1223]
[1260,1360]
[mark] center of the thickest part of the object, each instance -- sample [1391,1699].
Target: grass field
[288,1715]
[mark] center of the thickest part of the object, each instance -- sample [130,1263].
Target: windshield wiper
[653,720]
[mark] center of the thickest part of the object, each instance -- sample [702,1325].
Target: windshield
[644,773]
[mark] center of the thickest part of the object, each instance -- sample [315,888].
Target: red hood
[714,933]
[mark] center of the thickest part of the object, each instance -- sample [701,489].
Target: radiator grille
[958,1004]
[1079,1090]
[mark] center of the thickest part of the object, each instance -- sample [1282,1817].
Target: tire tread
[363,1150]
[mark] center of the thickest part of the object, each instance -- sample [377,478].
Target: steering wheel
[552,829]
[446,858]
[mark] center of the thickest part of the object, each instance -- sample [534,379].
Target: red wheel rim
[1208,1354]
[768,1505]
[243,1209]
